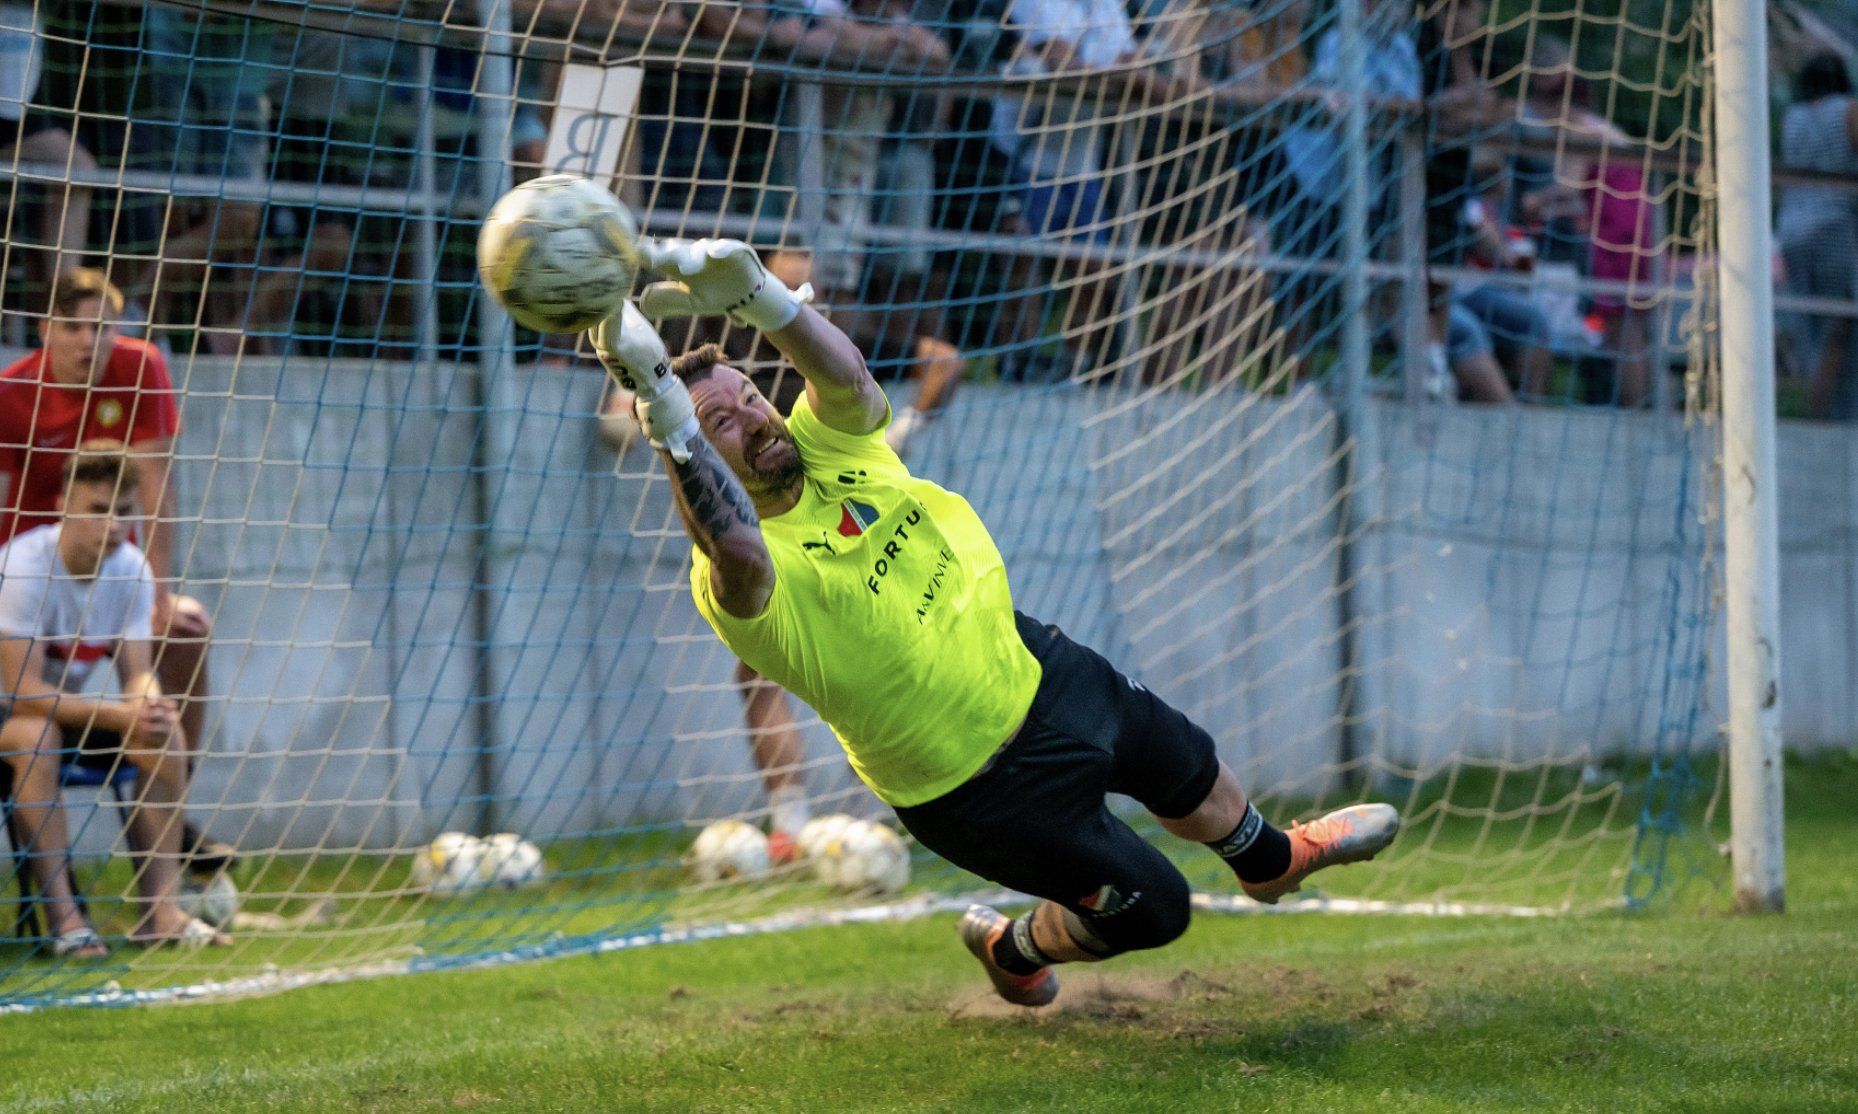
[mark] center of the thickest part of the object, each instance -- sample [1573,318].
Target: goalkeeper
[880,599]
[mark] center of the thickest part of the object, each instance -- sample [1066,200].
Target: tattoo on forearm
[711,497]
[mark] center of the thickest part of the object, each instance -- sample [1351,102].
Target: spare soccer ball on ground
[510,862]
[214,900]
[813,836]
[863,857]
[449,864]
[558,252]
[729,851]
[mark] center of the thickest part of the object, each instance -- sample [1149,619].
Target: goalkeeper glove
[708,277]
[635,357]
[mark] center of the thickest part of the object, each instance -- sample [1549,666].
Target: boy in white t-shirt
[72,594]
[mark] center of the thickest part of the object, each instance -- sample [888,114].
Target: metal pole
[1751,555]
[492,104]
[1352,423]
[426,235]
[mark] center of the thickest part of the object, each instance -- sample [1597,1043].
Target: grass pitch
[1679,1011]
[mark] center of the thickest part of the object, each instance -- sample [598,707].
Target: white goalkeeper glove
[634,355]
[709,277]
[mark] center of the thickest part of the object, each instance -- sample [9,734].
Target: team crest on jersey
[109,412]
[855,517]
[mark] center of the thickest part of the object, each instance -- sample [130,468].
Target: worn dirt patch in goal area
[1088,993]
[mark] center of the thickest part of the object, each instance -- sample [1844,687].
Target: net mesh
[1336,369]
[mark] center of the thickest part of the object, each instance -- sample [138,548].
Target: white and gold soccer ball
[449,864]
[510,862]
[214,900]
[816,833]
[729,851]
[558,252]
[863,857]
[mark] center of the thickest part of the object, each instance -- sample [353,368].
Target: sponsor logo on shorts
[1107,901]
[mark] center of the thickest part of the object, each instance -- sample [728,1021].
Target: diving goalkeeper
[880,599]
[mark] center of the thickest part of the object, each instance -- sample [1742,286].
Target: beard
[777,471]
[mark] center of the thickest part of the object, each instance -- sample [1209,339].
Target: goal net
[1342,371]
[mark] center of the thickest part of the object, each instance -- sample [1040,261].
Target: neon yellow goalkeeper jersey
[890,617]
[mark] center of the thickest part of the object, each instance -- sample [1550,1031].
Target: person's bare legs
[181,667]
[154,831]
[780,755]
[1829,370]
[1538,367]
[30,745]
[773,739]
[227,234]
[939,370]
[1629,336]
[65,219]
[1481,379]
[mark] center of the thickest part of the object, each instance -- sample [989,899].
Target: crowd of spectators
[260,128]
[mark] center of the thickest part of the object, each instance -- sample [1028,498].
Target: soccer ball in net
[863,857]
[729,851]
[510,862]
[214,900]
[449,864]
[815,834]
[558,252]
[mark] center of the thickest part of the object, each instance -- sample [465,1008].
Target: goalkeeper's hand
[635,357]
[709,277]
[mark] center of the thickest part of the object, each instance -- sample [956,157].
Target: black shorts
[1035,818]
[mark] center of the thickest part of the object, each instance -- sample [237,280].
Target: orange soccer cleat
[981,928]
[1347,835]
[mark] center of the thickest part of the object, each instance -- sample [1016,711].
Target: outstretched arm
[717,512]
[721,521]
[838,384]
[706,277]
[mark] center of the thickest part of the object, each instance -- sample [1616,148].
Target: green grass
[1679,1011]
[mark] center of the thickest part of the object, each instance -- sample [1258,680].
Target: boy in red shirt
[85,382]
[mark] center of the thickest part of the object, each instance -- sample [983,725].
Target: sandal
[79,943]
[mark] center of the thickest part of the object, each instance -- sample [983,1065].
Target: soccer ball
[558,252]
[729,851]
[816,833]
[449,864]
[863,858]
[510,862]
[215,900]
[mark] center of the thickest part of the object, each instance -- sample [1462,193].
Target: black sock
[1255,850]
[1015,952]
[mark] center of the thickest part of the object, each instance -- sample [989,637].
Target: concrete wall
[402,614]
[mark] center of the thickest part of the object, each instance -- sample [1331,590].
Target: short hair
[102,460]
[1824,75]
[692,366]
[81,284]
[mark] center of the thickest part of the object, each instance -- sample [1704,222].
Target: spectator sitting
[833,222]
[1050,134]
[87,382]
[1452,44]
[1517,327]
[1218,321]
[328,101]
[1309,227]
[199,111]
[64,224]
[71,593]
[1818,225]
[1607,195]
